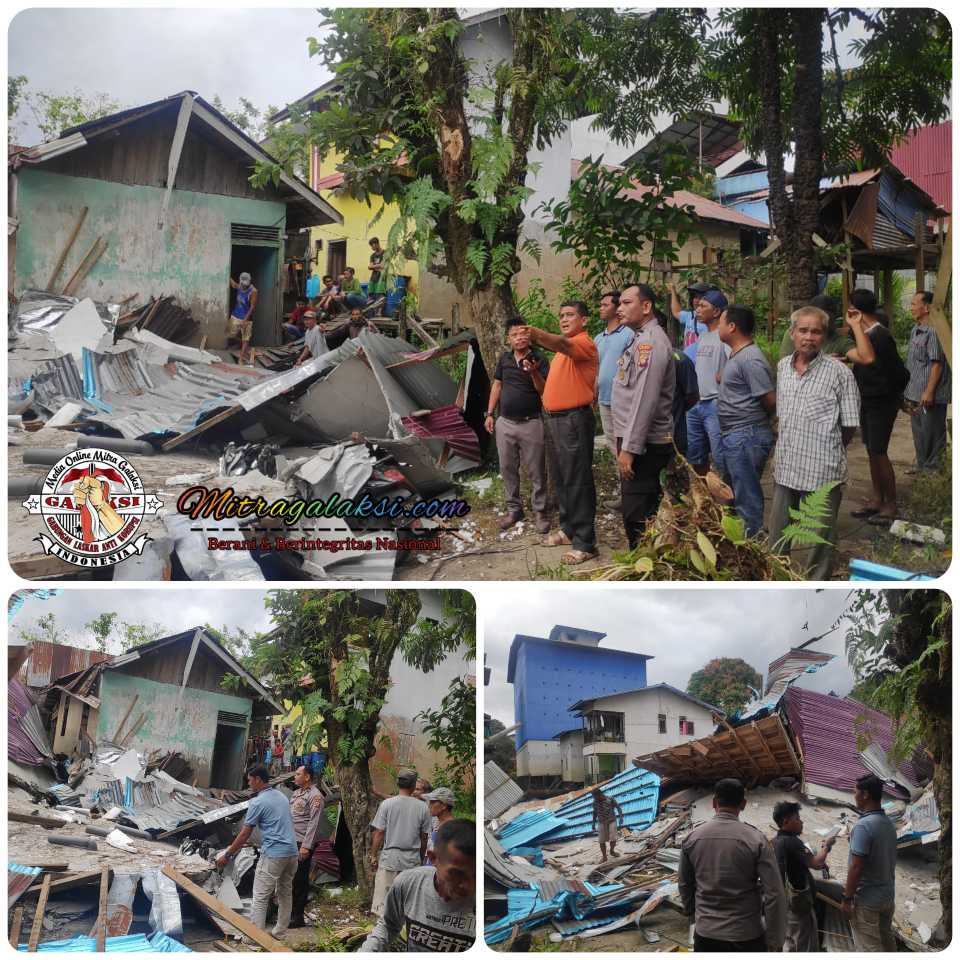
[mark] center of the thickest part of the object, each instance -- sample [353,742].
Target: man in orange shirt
[568,414]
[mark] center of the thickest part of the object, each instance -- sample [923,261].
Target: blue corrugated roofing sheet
[133,943]
[528,827]
[636,790]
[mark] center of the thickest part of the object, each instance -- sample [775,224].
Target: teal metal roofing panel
[528,827]
[636,790]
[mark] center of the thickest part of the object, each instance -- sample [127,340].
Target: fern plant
[808,520]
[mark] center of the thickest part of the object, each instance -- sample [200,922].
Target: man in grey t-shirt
[435,904]
[703,427]
[314,342]
[746,400]
[400,831]
[868,895]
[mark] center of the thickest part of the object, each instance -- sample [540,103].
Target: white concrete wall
[571,757]
[539,758]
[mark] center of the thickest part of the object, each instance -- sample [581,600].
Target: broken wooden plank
[37,821]
[132,732]
[126,716]
[38,915]
[86,265]
[260,937]
[15,927]
[66,250]
[418,328]
[200,428]
[67,883]
[102,911]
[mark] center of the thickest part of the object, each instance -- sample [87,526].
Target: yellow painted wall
[356,230]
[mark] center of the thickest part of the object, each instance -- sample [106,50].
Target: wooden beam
[427,339]
[38,915]
[102,911]
[126,716]
[15,927]
[67,249]
[260,937]
[918,228]
[176,148]
[190,659]
[742,745]
[68,883]
[37,821]
[86,265]
[200,428]
[938,319]
[133,731]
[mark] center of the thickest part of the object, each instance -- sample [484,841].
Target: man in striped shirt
[819,409]
[606,811]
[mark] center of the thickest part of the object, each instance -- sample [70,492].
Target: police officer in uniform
[730,883]
[643,389]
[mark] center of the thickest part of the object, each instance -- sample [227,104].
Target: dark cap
[700,287]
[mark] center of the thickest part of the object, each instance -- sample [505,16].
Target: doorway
[229,751]
[336,258]
[256,250]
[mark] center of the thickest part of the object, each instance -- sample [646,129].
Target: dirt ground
[519,555]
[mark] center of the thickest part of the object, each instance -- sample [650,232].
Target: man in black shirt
[795,862]
[881,378]
[518,383]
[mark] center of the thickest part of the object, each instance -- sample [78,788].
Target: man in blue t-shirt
[868,895]
[270,811]
[692,327]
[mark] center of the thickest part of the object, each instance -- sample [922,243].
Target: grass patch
[929,498]
[325,940]
[352,898]
[491,497]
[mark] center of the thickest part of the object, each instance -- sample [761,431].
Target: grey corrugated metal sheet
[56,382]
[426,383]
[500,793]
[168,814]
[510,873]
[48,662]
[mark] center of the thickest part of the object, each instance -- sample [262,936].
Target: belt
[520,419]
[566,413]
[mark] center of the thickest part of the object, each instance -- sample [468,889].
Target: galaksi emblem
[92,504]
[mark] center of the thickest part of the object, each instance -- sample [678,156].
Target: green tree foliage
[332,638]
[46,629]
[253,121]
[56,112]
[448,140]
[15,92]
[725,682]
[900,646]
[113,635]
[612,216]
[452,728]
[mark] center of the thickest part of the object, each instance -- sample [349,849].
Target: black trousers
[301,889]
[571,459]
[708,945]
[641,495]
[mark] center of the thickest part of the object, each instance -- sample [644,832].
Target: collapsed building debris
[95,741]
[374,417]
[543,866]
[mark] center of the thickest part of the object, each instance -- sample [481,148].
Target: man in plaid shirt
[818,405]
[606,813]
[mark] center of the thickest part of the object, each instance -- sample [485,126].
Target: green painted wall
[186,722]
[188,258]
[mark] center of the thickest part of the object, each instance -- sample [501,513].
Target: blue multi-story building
[549,674]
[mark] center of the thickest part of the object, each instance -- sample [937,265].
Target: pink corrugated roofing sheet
[926,158]
[827,729]
[448,423]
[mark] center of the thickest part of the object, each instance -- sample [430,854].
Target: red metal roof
[329,182]
[448,423]
[925,157]
[48,662]
[827,729]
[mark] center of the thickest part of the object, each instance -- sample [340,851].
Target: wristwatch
[489,413]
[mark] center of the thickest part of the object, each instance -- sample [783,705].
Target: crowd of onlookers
[715,399]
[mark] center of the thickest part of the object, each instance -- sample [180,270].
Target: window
[603,726]
[686,727]
[661,723]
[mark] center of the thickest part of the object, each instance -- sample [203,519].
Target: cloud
[681,629]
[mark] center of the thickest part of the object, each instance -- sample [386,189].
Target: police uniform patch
[643,355]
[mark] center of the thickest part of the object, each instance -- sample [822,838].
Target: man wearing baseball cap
[240,321]
[400,831]
[703,424]
[692,328]
[440,803]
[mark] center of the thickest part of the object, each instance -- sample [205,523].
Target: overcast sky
[681,629]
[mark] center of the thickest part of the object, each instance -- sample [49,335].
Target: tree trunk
[490,307]
[359,808]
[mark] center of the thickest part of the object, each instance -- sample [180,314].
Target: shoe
[510,520]
[543,523]
[613,504]
[295,925]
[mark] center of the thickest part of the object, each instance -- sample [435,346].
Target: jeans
[355,300]
[291,332]
[703,435]
[273,874]
[745,452]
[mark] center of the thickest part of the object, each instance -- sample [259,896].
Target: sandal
[863,513]
[557,539]
[572,557]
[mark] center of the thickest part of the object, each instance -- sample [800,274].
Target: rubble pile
[371,417]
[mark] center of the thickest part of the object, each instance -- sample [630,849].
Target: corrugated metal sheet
[925,157]
[498,867]
[827,729]
[48,662]
[500,793]
[528,827]
[132,943]
[27,740]
[19,879]
[636,790]
[780,674]
[447,423]
[427,383]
